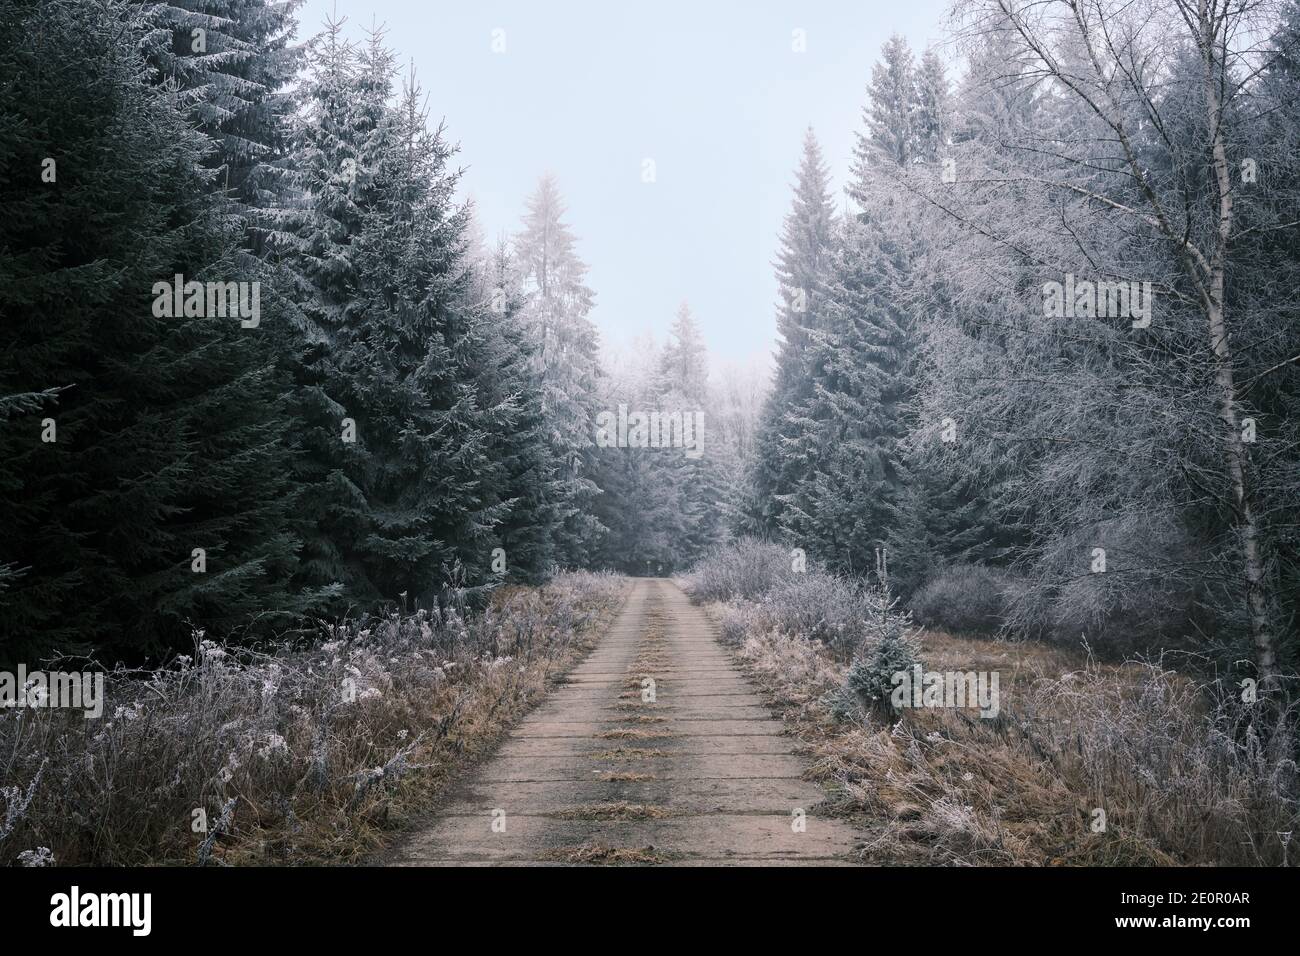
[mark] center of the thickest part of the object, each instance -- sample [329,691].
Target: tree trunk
[1234,447]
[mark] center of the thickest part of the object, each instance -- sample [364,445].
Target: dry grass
[628,776]
[294,754]
[620,810]
[630,753]
[1180,780]
[598,854]
[634,733]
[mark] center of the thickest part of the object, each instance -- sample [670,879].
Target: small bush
[738,621]
[887,649]
[1152,594]
[810,604]
[869,682]
[747,569]
[820,607]
[965,599]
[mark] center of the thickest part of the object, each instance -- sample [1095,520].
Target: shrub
[870,680]
[888,648]
[821,607]
[965,599]
[1154,590]
[747,569]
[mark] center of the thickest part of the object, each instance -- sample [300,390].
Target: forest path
[701,775]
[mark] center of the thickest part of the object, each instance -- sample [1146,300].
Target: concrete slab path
[656,750]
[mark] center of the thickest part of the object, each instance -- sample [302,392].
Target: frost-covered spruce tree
[232,62]
[408,353]
[781,450]
[846,472]
[150,493]
[947,512]
[844,504]
[682,385]
[402,429]
[333,160]
[565,348]
[892,105]
[933,116]
[523,468]
[736,399]
[638,504]
[887,650]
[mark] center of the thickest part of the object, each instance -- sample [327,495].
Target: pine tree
[402,418]
[159,499]
[849,488]
[524,469]
[406,353]
[845,503]
[639,504]
[565,346]
[933,117]
[332,165]
[232,61]
[801,274]
[891,113]
[684,363]
[694,478]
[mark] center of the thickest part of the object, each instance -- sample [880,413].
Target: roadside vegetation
[294,754]
[1088,762]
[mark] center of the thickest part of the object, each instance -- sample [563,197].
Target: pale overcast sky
[711,90]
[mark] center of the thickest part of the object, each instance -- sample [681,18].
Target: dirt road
[656,751]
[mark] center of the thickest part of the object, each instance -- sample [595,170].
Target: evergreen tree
[232,61]
[333,162]
[565,346]
[933,117]
[849,490]
[801,275]
[392,389]
[407,354]
[845,503]
[892,106]
[524,469]
[160,495]
[693,476]
[684,362]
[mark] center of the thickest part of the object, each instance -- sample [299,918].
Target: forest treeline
[413,412]
[409,414]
